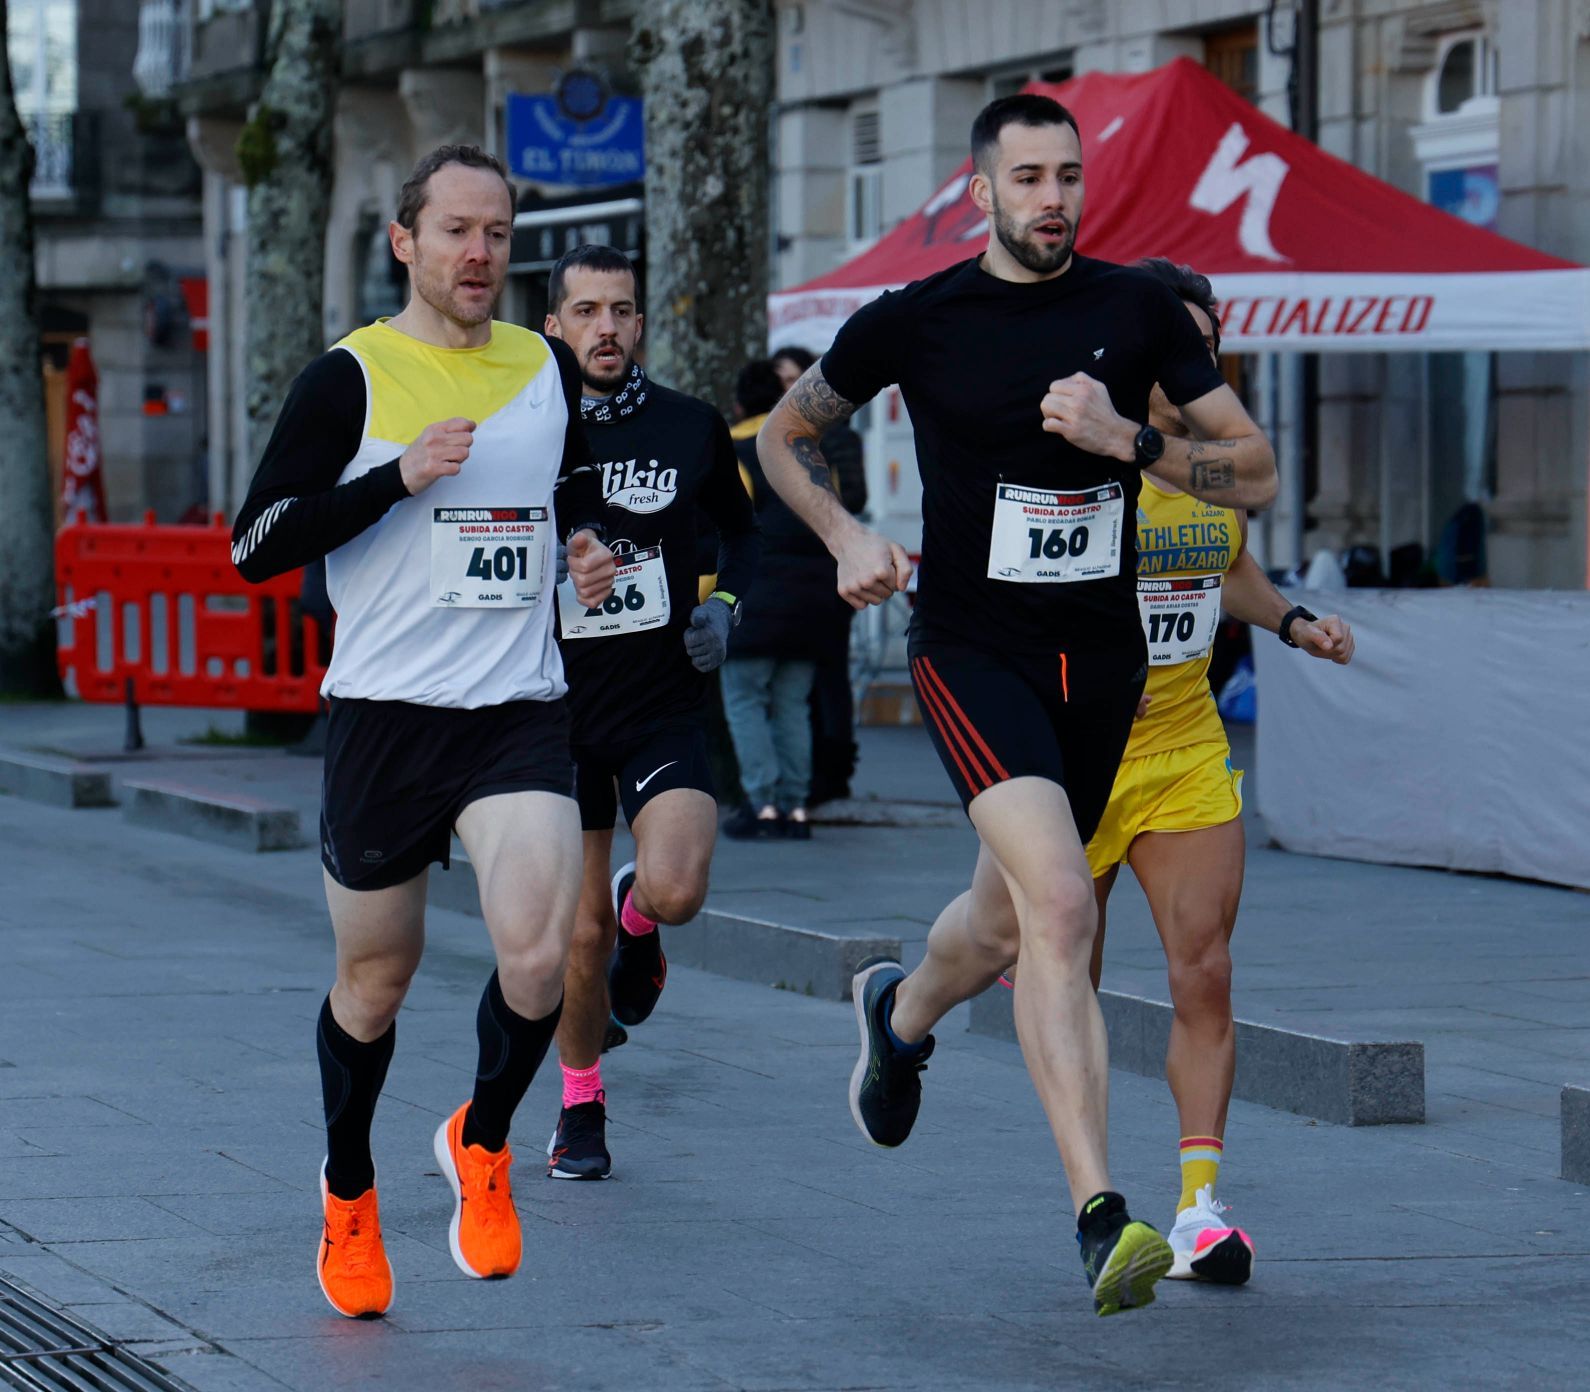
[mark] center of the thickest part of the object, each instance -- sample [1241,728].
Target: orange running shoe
[484,1233]
[354,1272]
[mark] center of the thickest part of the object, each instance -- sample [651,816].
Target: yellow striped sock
[1200,1163]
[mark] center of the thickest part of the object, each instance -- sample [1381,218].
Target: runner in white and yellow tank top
[1174,809]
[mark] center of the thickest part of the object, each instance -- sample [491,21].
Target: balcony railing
[53,146]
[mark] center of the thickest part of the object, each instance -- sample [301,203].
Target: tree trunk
[285,154]
[707,77]
[27,517]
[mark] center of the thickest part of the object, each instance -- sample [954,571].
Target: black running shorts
[641,767]
[398,774]
[995,716]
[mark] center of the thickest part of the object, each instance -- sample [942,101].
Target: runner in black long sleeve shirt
[638,674]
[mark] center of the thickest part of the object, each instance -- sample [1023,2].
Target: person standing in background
[773,654]
[833,706]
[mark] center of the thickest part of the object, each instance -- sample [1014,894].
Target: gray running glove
[707,638]
[563,563]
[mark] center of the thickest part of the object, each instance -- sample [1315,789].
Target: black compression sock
[511,1049]
[351,1076]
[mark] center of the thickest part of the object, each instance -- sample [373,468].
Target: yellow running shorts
[1184,789]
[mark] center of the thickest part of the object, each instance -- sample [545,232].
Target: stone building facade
[876,99]
[415,74]
[116,209]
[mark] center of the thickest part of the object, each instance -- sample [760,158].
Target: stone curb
[1576,1134]
[1348,1082]
[229,819]
[804,960]
[59,782]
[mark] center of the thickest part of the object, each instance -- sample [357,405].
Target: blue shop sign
[545,144]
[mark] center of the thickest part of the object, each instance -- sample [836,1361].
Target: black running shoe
[616,1035]
[1121,1257]
[745,825]
[578,1148]
[637,970]
[885,1086]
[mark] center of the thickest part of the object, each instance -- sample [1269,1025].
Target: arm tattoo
[1196,449]
[810,458]
[817,403]
[1213,473]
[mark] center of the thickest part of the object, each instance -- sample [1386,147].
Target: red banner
[83,481]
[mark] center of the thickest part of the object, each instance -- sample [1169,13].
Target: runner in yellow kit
[1173,814]
[1174,810]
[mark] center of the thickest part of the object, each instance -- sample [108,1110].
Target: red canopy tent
[1305,251]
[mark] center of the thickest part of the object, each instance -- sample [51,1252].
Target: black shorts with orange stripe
[997,716]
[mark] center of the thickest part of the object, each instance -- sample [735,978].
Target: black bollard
[135,732]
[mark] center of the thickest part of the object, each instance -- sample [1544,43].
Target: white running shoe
[1206,1246]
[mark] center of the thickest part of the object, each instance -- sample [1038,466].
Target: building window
[1052,70]
[1464,78]
[864,183]
[41,40]
[1232,55]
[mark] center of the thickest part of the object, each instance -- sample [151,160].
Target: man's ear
[982,193]
[402,239]
[552,328]
[640,327]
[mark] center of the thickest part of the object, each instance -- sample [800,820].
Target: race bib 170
[1180,617]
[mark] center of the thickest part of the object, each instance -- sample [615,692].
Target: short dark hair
[1021,109]
[416,189]
[757,388]
[587,257]
[1192,288]
[801,357]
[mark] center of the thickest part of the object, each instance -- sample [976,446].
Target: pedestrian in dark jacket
[833,706]
[773,653]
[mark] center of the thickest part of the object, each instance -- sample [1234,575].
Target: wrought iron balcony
[51,134]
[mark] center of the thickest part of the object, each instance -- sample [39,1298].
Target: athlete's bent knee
[375,991]
[1201,985]
[677,901]
[532,977]
[1063,916]
[591,945]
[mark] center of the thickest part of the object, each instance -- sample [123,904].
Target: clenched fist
[440,450]
[1079,409]
[590,568]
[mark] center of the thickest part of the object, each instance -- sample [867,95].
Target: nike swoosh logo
[640,783]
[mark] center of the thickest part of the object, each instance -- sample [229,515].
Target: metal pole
[1305,59]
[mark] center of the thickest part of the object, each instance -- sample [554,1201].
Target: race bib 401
[489,557]
[1043,537]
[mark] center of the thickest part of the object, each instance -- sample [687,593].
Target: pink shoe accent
[582,1084]
[1213,1237]
[633,921]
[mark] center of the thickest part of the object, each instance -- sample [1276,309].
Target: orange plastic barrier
[155,615]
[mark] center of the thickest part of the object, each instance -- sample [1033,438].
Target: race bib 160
[1042,537]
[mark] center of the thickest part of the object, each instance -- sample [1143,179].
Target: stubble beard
[606,386]
[440,294]
[1035,257]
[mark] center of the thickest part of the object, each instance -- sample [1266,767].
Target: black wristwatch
[1297,611]
[1149,446]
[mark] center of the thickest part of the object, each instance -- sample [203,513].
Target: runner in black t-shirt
[1027,373]
[637,677]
